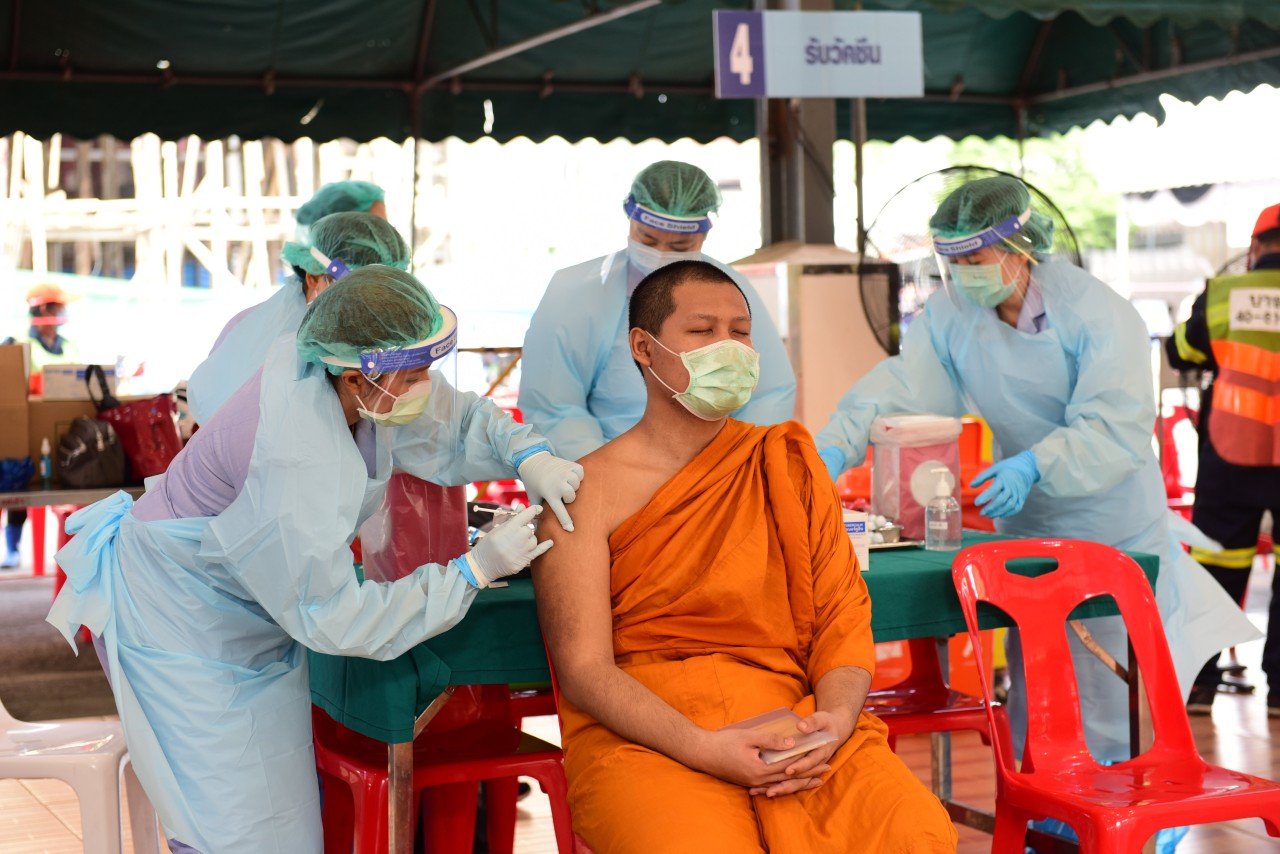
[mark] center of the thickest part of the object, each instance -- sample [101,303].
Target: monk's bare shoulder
[612,489]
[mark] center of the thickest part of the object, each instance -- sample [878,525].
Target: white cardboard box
[855,524]
[66,382]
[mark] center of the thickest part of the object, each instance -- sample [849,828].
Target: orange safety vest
[1243,314]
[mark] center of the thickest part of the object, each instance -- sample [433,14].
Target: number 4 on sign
[740,62]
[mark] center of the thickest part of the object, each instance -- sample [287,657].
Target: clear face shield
[983,268]
[414,385]
[411,395]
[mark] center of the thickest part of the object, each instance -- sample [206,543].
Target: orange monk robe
[733,591]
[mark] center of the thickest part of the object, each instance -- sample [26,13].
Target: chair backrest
[1040,607]
[924,679]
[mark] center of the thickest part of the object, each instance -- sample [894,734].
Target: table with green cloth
[499,642]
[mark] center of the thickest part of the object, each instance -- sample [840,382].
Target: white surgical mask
[983,284]
[646,259]
[405,408]
[722,377]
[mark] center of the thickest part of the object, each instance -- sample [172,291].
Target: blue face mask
[982,284]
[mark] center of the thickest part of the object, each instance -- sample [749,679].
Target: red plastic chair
[446,767]
[1113,808]
[37,515]
[923,702]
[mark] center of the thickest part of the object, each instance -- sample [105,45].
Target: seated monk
[709,579]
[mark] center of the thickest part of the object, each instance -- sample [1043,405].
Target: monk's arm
[572,582]
[842,653]
[842,692]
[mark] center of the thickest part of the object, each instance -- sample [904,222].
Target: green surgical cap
[338,197]
[357,239]
[985,202]
[375,307]
[676,189]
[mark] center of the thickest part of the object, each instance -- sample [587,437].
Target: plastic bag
[418,522]
[16,473]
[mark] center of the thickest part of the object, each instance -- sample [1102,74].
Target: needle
[496,511]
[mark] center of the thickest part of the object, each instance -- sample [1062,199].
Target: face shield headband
[334,268]
[375,363]
[665,222]
[998,233]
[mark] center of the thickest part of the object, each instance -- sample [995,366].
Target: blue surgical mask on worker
[646,259]
[982,284]
[722,377]
[405,408]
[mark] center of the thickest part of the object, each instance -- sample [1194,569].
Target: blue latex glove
[1012,480]
[835,460]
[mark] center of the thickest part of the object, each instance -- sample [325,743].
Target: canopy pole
[541,39]
[1020,114]
[415,117]
[1245,58]
[859,111]
[859,116]
[796,136]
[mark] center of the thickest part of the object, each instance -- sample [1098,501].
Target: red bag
[148,429]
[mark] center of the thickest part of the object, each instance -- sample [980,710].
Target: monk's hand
[805,771]
[733,755]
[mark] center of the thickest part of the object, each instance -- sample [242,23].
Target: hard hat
[47,293]
[1268,220]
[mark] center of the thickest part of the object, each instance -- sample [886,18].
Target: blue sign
[818,54]
[739,47]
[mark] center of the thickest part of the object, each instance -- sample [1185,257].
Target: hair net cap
[339,197]
[356,239]
[676,189]
[988,202]
[373,308]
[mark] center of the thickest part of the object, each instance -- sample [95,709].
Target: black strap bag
[90,455]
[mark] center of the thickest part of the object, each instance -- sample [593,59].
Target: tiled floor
[43,817]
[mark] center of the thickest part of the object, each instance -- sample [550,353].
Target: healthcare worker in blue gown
[579,385]
[1059,365]
[242,345]
[205,595]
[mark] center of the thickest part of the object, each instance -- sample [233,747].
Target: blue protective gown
[241,349]
[579,387]
[1079,396]
[205,621]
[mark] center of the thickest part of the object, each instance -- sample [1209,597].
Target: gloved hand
[508,548]
[1012,482]
[835,460]
[551,481]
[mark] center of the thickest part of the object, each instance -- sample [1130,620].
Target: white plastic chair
[91,757]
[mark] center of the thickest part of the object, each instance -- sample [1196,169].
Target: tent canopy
[637,69]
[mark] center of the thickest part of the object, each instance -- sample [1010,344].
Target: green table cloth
[499,641]
[913,596]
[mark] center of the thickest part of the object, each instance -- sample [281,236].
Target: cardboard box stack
[14,361]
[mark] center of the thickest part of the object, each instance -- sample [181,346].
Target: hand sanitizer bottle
[46,463]
[942,519]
